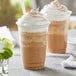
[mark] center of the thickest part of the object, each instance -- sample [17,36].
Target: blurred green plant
[28,3]
[7,49]
[18,9]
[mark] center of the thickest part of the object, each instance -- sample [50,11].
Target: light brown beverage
[33,47]
[57,37]
[32,27]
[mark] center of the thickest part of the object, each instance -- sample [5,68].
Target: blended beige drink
[59,15]
[32,31]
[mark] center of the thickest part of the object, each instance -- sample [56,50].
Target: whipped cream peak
[55,11]
[59,5]
[35,13]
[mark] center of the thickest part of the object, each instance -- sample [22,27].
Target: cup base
[58,51]
[34,66]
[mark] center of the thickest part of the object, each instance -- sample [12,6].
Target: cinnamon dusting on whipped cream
[59,6]
[35,13]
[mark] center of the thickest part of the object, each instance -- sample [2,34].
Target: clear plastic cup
[58,15]
[33,42]
[33,47]
[57,34]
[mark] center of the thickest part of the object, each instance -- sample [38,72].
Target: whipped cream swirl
[33,21]
[34,17]
[56,11]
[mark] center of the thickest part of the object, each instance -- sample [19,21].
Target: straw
[23,6]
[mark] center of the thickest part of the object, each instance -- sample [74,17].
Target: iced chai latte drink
[59,15]
[32,28]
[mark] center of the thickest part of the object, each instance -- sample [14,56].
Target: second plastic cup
[59,16]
